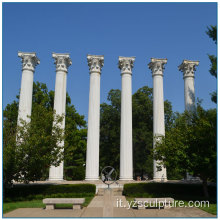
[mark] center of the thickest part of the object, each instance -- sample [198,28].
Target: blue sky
[175,31]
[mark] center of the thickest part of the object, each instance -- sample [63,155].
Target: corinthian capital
[95,63]
[126,64]
[62,61]
[29,60]
[188,67]
[157,66]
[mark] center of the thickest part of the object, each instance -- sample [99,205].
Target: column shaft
[60,93]
[158,106]
[126,145]
[62,63]
[56,173]
[25,99]
[189,93]
[158,122]
[92,162]
[29,62]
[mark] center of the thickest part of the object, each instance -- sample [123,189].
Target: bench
[50,202]
[143,203]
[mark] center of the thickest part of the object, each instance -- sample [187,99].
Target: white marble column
[157,68]
[29,62]
[188,68]
[126,64]
[62,62]
[95,63]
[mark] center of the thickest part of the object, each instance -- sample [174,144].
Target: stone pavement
[98,207]
[118,212]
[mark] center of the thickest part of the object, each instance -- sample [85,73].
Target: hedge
[175,190]
[30,192]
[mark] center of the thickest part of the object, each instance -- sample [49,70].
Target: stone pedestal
[95,63]
[62,62]
[126,146]
[76,206]
[50,207]
[188,68]
[29,62]
[157,68]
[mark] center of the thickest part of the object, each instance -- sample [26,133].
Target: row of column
[29,62]
[95,63]
[126,146]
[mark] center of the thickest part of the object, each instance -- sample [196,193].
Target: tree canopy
[212,33]
[190,145]
[29,150]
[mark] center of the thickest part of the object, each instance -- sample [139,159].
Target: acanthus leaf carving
[62,61]
[157,66]
[126,64]
[29,60]
[188,68]
[95,63]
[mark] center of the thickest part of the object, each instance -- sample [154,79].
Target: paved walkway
[101,206]
[117,212]
[105,205]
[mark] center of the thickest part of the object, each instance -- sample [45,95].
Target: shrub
[74,173]
[175,190]
[30,192]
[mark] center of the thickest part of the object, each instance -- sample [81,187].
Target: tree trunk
[205,188]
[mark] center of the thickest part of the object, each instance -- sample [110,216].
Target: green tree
[75,144]
[212,33]
[9,130]
[142,117]
[110,131]
[190,145]
[35,147]
[30,159]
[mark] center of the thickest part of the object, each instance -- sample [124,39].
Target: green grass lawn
[178,191]
[212,209]
[31,196]
[10,206]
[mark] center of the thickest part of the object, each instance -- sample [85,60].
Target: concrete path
[39,212]
[107,203]
[117,212]
[107,206]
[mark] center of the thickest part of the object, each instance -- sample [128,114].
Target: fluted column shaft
[188,68]
[95,64]
[29,62]
[62,62]
[157,68]
[126,145]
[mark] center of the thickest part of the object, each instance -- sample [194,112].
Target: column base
[160,179]
[55,179]
[126,179]
[91,179]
